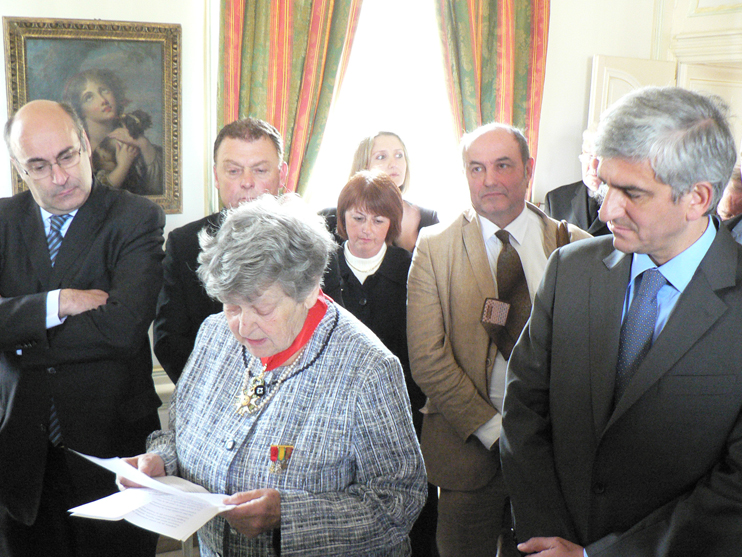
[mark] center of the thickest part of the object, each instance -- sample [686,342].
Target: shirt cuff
[489,432]
[52,309]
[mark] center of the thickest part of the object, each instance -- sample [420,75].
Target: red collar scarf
[314,316]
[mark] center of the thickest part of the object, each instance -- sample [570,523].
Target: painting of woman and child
[119,90]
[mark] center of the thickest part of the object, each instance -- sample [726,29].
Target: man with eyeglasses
[248,162]
[579,203]
[80,269]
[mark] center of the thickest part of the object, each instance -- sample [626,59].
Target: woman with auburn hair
[368,276]
[385,151]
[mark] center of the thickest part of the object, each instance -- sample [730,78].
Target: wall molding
[719,48]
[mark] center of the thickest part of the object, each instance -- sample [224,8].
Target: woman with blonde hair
[385,151]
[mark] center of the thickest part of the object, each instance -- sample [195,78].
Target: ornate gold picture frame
[123,79]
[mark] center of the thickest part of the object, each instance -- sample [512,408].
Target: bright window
[395,82]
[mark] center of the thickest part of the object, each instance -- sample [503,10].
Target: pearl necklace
[252,394]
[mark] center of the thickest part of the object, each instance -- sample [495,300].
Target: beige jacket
[450,352]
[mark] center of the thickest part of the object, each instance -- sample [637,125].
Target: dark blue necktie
[54,241]
[637,329]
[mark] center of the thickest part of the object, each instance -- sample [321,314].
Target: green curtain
[495,58]
[282,61]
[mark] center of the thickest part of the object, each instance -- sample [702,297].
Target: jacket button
[362,302]
[51,370]
[489,363]
[599,488]
[43,429]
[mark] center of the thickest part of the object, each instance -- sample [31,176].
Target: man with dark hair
[622,422]
[80,269]
[248,161]
[496,249]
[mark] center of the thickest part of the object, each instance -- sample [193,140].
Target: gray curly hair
[264,242]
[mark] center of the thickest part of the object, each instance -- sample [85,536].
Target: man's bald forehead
[35,115]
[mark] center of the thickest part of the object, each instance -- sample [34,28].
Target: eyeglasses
[38,170]
[586,157]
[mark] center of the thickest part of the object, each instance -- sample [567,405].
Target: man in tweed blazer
[451,355]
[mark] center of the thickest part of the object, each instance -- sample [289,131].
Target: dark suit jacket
[183,303]
[380,303]
[733,222]
[661,474]
[97,365]
[573,204]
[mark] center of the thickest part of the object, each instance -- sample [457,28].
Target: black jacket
[183,303]
[573,204]
[380,303]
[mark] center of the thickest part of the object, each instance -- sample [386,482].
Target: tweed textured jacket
[354,482]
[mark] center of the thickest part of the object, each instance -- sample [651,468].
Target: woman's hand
[148,463]
[257,511]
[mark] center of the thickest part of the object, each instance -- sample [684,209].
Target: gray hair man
[580,201]
[622,427]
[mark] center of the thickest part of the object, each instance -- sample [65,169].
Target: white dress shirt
[527,237]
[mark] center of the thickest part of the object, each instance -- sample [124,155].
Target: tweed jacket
[355,481]
[451,355]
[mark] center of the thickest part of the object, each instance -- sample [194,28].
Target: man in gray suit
[622,424]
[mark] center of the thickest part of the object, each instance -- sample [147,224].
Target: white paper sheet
[170,506]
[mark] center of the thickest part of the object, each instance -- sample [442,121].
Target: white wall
[196,96]
[578,30]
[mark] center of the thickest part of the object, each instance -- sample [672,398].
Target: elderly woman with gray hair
[288,404]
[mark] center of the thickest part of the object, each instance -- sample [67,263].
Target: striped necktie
[54,239]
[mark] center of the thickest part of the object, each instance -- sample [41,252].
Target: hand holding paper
[149,464]
[168,505]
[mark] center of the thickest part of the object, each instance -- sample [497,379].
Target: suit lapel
[697,309]
[607,293]
[477,255]
[80,235]
[34,239]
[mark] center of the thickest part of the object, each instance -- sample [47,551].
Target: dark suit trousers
[56,533]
